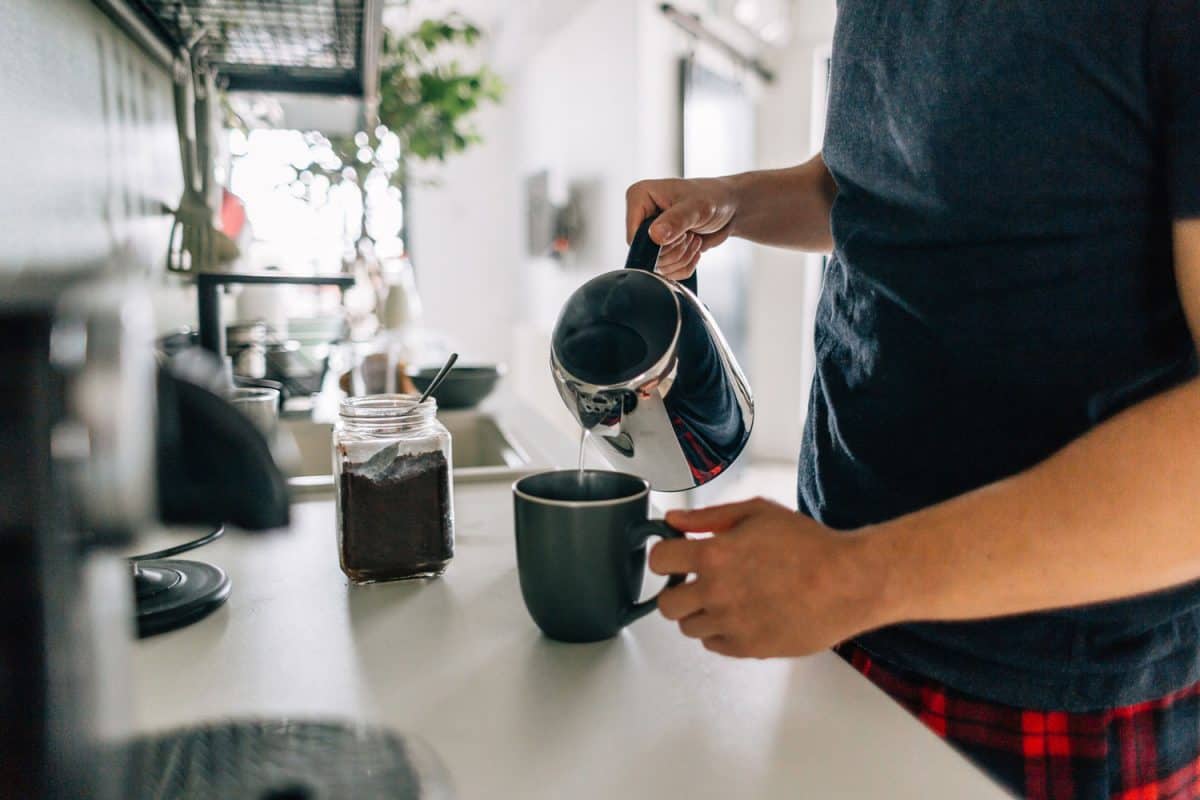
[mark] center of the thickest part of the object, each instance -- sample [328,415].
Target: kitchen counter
[649,714]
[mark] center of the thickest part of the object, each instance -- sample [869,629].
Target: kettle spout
[598,412]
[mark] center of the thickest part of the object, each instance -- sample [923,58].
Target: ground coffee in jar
[395,499]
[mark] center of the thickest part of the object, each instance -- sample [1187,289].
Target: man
[1005,414]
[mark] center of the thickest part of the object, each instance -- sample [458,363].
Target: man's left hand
[769,582]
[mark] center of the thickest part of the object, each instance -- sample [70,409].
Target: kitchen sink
[483,450]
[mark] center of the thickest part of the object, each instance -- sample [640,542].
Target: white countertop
[457,660]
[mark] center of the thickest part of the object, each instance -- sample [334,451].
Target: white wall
[90,154]
[577,109]
[465,243]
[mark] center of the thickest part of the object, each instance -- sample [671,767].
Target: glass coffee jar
[395,505]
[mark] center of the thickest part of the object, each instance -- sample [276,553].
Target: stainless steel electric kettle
[642,365]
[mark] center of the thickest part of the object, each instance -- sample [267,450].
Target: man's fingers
[680,255]
[701,625]
[721,644]
[674,253]
[714,518]
[684,216]
[680,601]
[691,248]
[674,556]
[684,270]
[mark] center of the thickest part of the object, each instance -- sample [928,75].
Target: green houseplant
[427,101]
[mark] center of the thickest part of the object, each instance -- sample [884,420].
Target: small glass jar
[395,504]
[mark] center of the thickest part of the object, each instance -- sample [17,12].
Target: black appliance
[95,441]
[213,466]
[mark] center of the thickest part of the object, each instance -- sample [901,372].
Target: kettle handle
[643,253]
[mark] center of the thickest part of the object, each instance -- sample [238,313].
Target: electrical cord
[168,552]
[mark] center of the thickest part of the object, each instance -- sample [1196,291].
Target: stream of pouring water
[583,437]
[585,434]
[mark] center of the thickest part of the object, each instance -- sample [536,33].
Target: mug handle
[642,531]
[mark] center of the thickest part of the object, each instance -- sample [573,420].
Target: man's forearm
[1114,514]
[786,207]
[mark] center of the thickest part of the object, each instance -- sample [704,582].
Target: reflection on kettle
[642,365]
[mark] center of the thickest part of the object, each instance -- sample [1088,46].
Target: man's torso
[1001,282]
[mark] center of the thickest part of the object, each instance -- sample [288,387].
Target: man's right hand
[697,215]
[778,207]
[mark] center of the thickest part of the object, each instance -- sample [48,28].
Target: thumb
[677,220]
[638,206]
[715,519]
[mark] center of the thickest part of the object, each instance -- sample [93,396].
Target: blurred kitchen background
[481,216]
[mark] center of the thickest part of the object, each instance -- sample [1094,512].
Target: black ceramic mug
[581,551]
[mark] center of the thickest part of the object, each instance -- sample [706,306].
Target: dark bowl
[464,387]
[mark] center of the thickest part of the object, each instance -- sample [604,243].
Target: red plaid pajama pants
[1148,751]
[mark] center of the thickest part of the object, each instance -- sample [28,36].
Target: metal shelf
[310,46]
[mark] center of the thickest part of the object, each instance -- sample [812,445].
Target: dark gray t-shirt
[1002,281]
